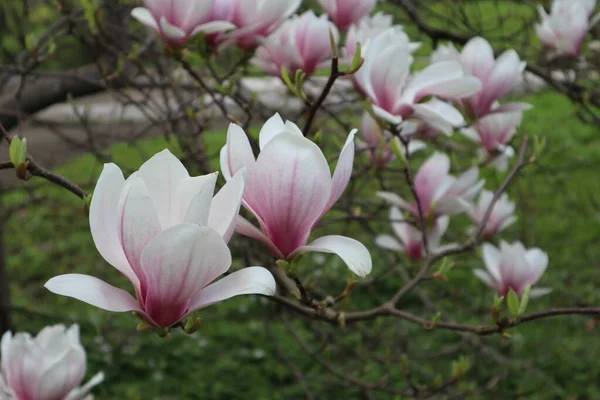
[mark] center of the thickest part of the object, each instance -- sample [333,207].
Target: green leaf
[512,300]
[524,300]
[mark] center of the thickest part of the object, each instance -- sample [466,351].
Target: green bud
[357,61]
[334,49]
[398,149]
[191,325]
[18,157]
[524,300]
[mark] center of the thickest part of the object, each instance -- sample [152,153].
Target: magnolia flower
[410,237]
[50,366]
[179,20]
[498,76]
[377,142]
[368,28]
[257,19]
[301,43]
[383,78]
[513,267]
[438,192]
[344,13]
[289,189]
[501,217]
[565,28]
[166,233]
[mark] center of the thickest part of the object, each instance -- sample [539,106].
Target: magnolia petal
[273,127]
[486,278]
[394,199]
[244,227]
[178,263]
[226,204]
[538,292]
[58,379]
[386,116]
[491,258]
[351,251]
[104,220]
[343,171]
[251,280]
[94,292]
[145,17]
[194,199]
[162,175]
[171,31]
[388,242]
[237,153]
[81,392]
[213,27]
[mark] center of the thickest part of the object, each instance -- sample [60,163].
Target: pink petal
[94,292]
[288,188]
[430,178]
[178,263]
[194,200]
[251,280]
[138,222]
[351,251]
[104,220]
[478,57]
[273,127]
[244,227]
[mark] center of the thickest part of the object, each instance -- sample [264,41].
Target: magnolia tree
[341,133]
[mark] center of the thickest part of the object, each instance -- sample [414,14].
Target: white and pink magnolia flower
[166,233]
[257,19]
[301,43]
[384,79]
[344,13]
[409,238]
[564,29]
[50,366]
[368,28]
[513,267]
[289,189]
[498,76]
[501,217]
[439,193]
[178,21]
[376,142]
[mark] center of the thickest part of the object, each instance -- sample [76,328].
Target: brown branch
[312,112]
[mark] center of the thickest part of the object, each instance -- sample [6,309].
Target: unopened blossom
[166,233]
[498,76]
[368,28]
[289,189]
[565,28]
[513,267]
[301,43]
[409,239]
[178,21]
[49,366]
[344,13]
[439,193]
[257,19]
[384,79]
[501,217]
[377,142]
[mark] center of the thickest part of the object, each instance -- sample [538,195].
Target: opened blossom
[177,21]
[289,188]
[438,192]
[377,142]
[166,233]
[367,29]
[301,43]
[344,13]
[513,267]
[498,76]
[501,216]
[565,28]
[384,79]
[257,19]
[50,366]
[409,239]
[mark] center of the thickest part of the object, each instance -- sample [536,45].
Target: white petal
[213,27]
[104,217]
[491,258]
[273,127]
[145,17]
[388,242]
[80,393]
[194,200]
[170,31]
[226,204]
[351,251]
[485,277]
[343,171]
[251,280]
[386,116]
[237,154]
[394,199]
[93,291]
